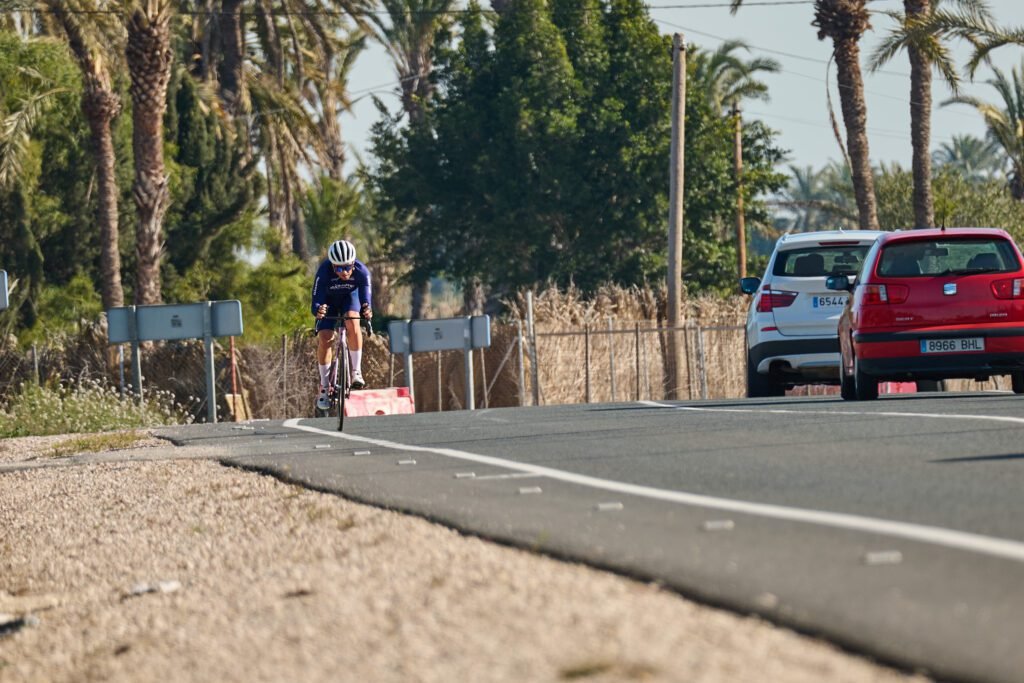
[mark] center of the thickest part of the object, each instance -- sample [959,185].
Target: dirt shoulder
[160,564]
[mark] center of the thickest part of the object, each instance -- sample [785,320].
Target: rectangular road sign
[174,321]
[447,334]
[3,290]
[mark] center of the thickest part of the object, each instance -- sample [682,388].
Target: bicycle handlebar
[362,321]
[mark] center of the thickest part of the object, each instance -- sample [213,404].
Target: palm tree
[844,22]
[974,158]
[149,57]
[918,33]
[728,79]
[408,36]
[89,34]
[1005,122]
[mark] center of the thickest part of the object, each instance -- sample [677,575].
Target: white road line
[960,540]
[784,411]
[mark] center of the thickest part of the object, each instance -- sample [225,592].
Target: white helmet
[341,253]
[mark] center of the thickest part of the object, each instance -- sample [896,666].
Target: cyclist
[341,288]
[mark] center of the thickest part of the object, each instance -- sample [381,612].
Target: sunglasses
[343,269]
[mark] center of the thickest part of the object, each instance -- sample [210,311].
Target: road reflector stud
[465,475]
[718,525]
[360,452]
[321,446]
[526,490]
[608,507]
[883,557]
[407,462]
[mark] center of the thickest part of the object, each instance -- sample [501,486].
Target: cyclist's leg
[355,340]
[325,336]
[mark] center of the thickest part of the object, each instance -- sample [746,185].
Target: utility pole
[674,361]
[741,230]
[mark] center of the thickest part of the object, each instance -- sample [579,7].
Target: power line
[284,12]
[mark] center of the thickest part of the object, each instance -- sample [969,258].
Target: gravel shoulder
[158,563]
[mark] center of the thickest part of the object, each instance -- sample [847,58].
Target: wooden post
[675,214]
[741,231]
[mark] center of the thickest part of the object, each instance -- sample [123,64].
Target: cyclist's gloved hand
[321,311]
[366,311]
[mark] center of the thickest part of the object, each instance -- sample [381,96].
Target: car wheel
[761,386]
[865,386]
[1017,382]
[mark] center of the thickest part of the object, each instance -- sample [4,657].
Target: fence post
[636,346]
[701,364]
[284,375]
[522,363]
[531,330]
[586,361]
[440,398]
[647,373]
[611,355]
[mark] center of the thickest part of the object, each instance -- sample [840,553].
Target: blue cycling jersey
[341,295]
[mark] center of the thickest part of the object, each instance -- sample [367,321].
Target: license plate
[828,301]
[965,345]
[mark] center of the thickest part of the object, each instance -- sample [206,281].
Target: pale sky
[797,109]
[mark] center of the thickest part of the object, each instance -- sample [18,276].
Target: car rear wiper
[970,271]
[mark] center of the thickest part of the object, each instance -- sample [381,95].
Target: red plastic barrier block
[390,401]
[897,387]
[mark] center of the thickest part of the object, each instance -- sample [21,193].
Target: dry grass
[96,443]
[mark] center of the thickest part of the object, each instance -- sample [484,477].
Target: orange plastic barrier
[391,401]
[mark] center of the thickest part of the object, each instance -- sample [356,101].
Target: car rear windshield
[947,257]
[820,261]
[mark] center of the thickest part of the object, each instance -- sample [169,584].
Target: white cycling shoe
[323,402]
[357,380]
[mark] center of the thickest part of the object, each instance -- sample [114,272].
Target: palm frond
[16,134]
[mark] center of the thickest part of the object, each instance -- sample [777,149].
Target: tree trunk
[149,59]
[851,95]
[473,298]
[420,299]
[229,69]
[844,22]
[921,123]
[101,107]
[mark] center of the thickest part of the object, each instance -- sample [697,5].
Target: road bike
[339,378]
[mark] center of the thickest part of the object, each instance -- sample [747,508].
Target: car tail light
[1009,289]
[774,298]
[885,294]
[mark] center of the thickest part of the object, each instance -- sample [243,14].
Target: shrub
[82,407]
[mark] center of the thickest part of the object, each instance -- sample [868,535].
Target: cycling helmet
[341,253]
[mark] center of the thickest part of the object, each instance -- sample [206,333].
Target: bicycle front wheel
[342,387]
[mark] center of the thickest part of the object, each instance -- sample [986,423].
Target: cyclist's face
[344,272]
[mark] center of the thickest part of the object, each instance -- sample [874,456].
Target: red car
[932,305]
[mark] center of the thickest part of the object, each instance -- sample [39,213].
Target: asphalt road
[894,528]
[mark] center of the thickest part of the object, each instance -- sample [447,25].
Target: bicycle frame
[341,380]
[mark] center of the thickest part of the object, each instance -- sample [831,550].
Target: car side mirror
[749,285]
[839,283]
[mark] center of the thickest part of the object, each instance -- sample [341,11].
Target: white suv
[792,321]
